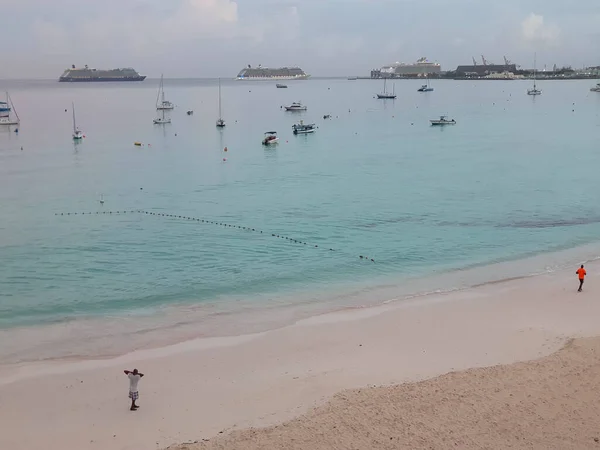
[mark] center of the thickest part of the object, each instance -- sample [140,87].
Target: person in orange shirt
[582,273]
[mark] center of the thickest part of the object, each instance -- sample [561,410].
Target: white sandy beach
[197,389]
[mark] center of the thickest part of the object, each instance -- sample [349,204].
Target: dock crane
[507,62]
[484,61]
[474,62]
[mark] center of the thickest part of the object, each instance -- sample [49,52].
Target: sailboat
[5,110]
[220,121]
[385,93]
[425,87]
[162,119]
[535,90]
[77,133]
[163,104]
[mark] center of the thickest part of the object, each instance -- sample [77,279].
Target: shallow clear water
[516,177]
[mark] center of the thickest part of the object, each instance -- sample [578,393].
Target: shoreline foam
[113,336]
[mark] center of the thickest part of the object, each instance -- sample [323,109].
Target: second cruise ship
[266,73]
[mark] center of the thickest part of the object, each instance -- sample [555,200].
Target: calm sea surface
[435,208]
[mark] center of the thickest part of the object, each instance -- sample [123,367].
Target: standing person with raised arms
[134,378]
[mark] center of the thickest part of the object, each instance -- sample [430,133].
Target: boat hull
[311,130]
[270,141]
[384,97]
[287,108]
[441,124]
[161,122]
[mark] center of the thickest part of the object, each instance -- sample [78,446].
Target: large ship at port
[86,74]
[421,67]
[266,73]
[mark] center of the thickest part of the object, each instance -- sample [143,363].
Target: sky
[217,38]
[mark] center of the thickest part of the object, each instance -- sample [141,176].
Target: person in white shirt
[134,378]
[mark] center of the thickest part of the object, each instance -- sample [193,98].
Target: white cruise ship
[266,73]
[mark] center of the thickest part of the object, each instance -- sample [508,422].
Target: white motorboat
[595,88]
[443,120]
[296,106]
[161,103]
[270,138]
[302,128]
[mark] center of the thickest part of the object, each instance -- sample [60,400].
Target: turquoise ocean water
[436,208]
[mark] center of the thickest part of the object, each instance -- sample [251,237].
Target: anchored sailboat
[163,104]
[426,87]
[535,90]
[162,119]
[5,112]
[77,133]
[220,121]
[385,93]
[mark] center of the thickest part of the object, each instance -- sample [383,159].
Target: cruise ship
[421,67]
[266,73]
[87,75]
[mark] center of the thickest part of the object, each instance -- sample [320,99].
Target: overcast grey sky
[210,38]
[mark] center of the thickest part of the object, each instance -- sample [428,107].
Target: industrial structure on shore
[483,70]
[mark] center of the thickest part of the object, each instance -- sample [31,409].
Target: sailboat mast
[74,124]
[160,88]
[534,68]
[12,106]
[220,115]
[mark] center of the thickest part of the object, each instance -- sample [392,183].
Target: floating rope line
[205,221]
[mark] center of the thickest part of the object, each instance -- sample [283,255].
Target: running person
[582,273]
[134,378]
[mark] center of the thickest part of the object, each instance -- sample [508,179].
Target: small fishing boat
[296,106]
[281,86]
[162,104]
[220,121]
[77,133]
[386,94]
[596,88]
[535,90]
[270,138]
[352,78]
[302,128]
[5,112]
[443,121]
[190,112]
[425,87]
